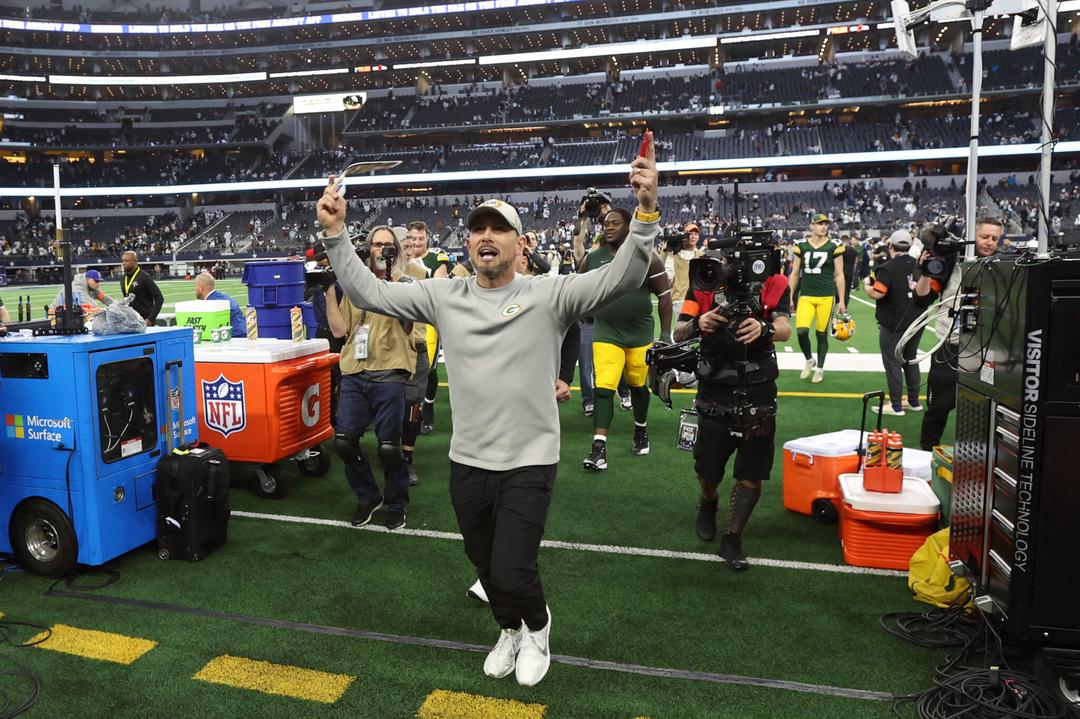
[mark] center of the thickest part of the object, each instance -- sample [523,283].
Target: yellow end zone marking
[441,704]
[92,644]
[280,679]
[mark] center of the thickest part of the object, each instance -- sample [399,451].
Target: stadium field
[302,615]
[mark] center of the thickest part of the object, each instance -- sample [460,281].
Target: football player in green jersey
[818,270]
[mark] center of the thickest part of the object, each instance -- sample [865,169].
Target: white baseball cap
[497,207]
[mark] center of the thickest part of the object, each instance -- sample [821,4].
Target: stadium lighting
[271,24]
[433,63]
[619,48]
[155,79]
[23,78]
[1041,32]
[428,179]
[310,73]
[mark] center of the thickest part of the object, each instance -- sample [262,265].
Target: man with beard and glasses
[500,327]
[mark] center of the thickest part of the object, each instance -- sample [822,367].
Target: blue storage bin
[274,321]
[275,295]
[262,273]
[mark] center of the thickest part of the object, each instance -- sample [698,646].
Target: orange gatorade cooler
[811,468]
[883,530]
[266,400]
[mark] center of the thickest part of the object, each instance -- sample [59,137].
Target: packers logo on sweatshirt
[511,310]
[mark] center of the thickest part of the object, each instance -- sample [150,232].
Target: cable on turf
[975,682]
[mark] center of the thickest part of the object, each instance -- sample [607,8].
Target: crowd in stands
[855,206]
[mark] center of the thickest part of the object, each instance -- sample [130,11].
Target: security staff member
[716,396]
[377,360]
[148,298]
[890,286]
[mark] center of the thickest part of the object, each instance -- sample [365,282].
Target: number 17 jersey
[818,278]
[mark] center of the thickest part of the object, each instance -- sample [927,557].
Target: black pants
[335,371]
[897,374]
[502,516]
[941,396]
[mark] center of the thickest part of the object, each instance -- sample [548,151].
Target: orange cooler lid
[916,497]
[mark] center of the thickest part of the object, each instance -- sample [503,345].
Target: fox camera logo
[223,405]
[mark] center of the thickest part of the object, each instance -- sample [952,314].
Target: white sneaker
[819,375]
[888,409]
[476,591]
[808,368]
[535,655]
[502,657]
[627,403]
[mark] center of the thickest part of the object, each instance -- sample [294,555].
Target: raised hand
[643,177]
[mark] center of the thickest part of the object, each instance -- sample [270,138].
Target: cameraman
[377,360]
[941,382]
[716,395]
[535,264]
[891,286]
[592,208]
[677,262]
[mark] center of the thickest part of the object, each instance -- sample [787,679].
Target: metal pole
[1050,52]
[973,142]
[67,320]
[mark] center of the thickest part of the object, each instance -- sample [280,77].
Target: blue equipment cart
[84,427]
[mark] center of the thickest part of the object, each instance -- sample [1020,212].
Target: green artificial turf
[780,623]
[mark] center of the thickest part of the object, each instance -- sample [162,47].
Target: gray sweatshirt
[502,344]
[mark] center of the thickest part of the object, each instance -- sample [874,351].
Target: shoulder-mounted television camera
[943,242]
[733,269]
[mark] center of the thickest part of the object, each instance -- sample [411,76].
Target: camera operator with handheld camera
[738,303]
[941,268]
[594,206]
[679,249]
[377,360]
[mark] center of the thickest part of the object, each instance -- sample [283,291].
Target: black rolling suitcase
[192,492]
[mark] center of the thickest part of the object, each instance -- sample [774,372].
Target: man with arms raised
[499,327]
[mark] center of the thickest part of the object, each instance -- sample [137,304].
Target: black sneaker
[732,553]
[626,402]
[641,440]
[597,459]
[364,511]
[413,479]
[588,408]
[395,520]
[705,524]
[427,417]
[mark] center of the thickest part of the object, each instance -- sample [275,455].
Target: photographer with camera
[594,205]
[738,303]
[377,360]
[942,271]
[622,332]
[535,264]
[818,270]
[890,286]
[318,278]
[679,249]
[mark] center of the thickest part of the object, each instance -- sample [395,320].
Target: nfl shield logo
[223,405]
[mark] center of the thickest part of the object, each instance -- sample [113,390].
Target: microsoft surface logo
[14,425]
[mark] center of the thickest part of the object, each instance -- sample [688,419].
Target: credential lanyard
[129,282]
